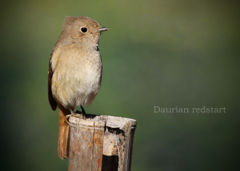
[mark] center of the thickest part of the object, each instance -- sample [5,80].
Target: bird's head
[83,30]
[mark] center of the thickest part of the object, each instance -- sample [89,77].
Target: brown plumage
[75,71]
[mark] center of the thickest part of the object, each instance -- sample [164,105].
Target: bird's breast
[76,76]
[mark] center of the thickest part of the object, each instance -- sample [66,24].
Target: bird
[75,72]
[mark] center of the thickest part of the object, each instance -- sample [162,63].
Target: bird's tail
[63,134]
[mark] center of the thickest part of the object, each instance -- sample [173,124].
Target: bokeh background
[164,53]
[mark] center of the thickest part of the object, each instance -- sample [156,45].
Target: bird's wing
[51,100]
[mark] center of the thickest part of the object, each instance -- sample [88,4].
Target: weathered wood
[114,144]
[86,145]
[122,132]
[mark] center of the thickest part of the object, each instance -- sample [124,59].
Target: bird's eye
[84,29]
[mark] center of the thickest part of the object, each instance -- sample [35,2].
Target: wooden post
[100,143]
[86,145]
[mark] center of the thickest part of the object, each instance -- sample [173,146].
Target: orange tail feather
[63,134]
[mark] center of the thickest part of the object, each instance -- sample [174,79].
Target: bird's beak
[102,29]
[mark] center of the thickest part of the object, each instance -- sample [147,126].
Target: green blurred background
[157,53]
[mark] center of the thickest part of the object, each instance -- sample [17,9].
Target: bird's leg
[75,114]
[83,111]
[72,112]
[69,115]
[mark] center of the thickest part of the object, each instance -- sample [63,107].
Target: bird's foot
[81,115]
[73,114]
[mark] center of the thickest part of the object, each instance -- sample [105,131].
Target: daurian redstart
[75,72]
